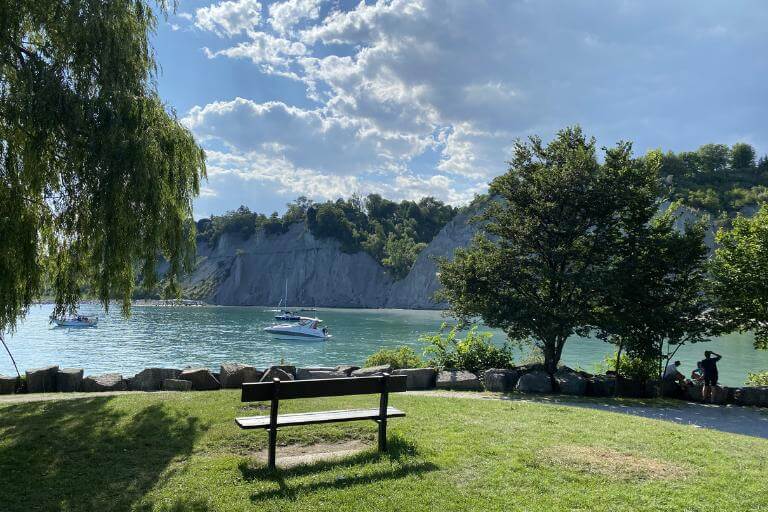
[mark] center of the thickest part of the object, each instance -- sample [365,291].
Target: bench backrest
[315,388]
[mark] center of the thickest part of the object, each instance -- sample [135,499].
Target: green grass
[182,452]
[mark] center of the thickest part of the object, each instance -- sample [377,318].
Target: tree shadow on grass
[399,450]
[87,454]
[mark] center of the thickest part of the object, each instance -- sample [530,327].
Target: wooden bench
[315,388]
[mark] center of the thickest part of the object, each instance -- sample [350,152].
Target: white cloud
[263,48]
[284,16]
[229,18]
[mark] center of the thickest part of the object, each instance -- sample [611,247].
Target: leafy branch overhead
[97,176]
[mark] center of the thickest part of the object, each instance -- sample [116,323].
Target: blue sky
[407,98]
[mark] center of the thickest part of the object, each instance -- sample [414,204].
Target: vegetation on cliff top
[393,233]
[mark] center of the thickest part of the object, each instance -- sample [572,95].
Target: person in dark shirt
[709,367]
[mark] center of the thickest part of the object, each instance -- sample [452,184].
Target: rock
[721,395]
[201,378]
[601,385]
[232,375]
[372,370]
[534,382]
[500,379]
[177,385]
[287,368]
[459,380]
[306,373]
[105,382]
[631,388]
[69,379]
[752,395]
[693,392]
[346,368]
[570,383]
[42,380]
[7,384]
[418,378]
[151,379]
[273,372]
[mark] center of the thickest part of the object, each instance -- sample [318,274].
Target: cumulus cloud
[229,18]
[284,16]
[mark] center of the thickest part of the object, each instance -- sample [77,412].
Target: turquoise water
[210,335]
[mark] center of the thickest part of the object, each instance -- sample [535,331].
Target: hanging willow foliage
[97,176]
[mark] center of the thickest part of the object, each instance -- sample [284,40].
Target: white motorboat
[77,321]
[306,329]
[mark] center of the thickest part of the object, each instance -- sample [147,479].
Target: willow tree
[97,176]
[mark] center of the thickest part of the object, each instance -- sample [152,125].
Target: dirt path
[749,421]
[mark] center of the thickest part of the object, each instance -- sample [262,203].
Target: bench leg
[272,447]
[383,435]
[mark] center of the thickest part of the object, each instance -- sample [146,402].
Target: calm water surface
[207,336]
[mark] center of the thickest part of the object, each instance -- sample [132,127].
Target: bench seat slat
[307,418]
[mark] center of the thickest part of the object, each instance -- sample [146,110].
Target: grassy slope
[182,452]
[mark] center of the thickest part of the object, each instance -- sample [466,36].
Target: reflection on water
[208,336]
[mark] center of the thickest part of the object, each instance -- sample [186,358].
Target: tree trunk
[618,370]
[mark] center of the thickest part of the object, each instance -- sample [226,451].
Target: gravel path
[749,421]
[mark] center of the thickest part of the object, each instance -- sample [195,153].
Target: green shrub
[400,357]
[758,379]
[634,368]
[475,353]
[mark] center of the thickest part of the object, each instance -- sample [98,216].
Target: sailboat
[286,315]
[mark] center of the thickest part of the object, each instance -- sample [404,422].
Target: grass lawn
[183,452]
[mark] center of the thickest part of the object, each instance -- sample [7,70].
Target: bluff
[254,272]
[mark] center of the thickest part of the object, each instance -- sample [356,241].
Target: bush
[758,379]
[633,368]
[398,358]
[475,353]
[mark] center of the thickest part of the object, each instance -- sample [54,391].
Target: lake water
[209,335]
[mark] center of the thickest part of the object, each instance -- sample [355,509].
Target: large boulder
[151,379]
[601,385]
[346,368]
[500,379]
[232,375]
[105,382]
[275,372]
[7,384]
[312,373]
[459,380]
[287,368]
[201,378]
[632,388]
[752,395]
[69,379]
[42,380]
[418,378]
[570,382]
[177,385]
[693,392]
[372,370]
[536,381]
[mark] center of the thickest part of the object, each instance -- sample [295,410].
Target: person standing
[709,367]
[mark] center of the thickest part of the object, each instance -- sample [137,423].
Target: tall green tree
[549,239]
[739,268]
[742,156]
[97,176]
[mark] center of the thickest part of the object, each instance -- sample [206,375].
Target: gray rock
[42,380]
[306,373]
[105,382]
[7,384]
[201,378]
[601,385]
[177,385]
[372,370]
[232,375]
[418,378]
[752,395]
[459,380]
[346,368]
[275,372]
[571,383]
[287,368]
[632,388]
[534,382]
[693,392]
[151,379]
[69,379]
[500,379]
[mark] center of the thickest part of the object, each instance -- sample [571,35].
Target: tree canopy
[739,268]
[97,176]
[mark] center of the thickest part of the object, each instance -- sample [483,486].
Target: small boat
[306,329]
[288,316]
[77,321]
